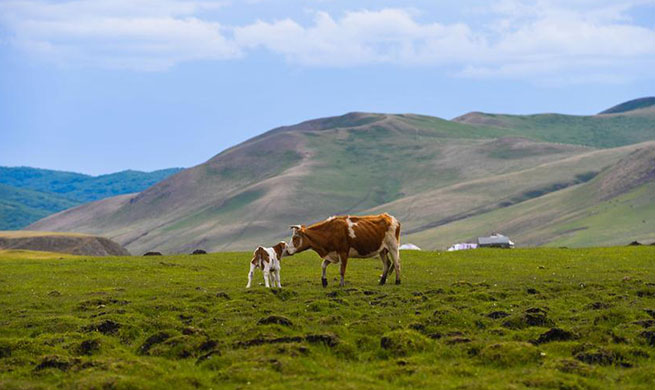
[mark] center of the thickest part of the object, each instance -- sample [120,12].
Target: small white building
[409,247]
[495,241]
[462,246]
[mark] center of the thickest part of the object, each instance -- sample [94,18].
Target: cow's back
[367,234]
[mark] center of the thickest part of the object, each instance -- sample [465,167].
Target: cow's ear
[295,227]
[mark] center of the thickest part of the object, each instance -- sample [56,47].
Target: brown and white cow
[338,238]
[268,260]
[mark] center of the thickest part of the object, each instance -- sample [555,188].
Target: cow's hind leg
[385,266]
[395,255]
[324,276]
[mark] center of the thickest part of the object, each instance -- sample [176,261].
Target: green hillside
[613,208]
[29,194]
[631,105]
[542,318]
[79,187]
[603,131]
[432,174]
[19,207]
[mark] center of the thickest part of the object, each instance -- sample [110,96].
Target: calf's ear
[295,227]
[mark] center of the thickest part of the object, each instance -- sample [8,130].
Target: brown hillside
[72,243]
[632,171]
[426,171]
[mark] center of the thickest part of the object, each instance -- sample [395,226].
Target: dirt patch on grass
[602,357]
[329,339]
[262,341]
[404,342]
[649,336]
[531,317]
[100,303]
[571,366]
[88,347]
[648,323]
[5,350]
[156,338]
[497,315]
[280,320]
[223,295]
[554,334]
[54,361]
[598,306]
[511,353]
[107,327]
[458,340]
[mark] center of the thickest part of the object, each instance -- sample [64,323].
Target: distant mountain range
[546,179]
[29,194]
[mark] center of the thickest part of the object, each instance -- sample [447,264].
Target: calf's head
[280,249]
[299,241]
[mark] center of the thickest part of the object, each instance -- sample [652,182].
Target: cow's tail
[395,247]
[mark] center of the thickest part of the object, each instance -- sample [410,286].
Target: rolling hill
[445,180]
[29,194]
[53,242]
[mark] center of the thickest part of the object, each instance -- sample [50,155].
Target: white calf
[268,260]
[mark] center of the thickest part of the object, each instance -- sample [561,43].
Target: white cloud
[588,39]
[136,34]
[523,41]
[363,37]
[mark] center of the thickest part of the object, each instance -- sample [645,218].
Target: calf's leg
[252,271]
[277,278]
[267,275]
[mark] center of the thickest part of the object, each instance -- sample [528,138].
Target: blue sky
[98,86]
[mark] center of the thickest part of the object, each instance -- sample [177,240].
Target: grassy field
[483,319]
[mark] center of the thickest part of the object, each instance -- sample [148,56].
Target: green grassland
[479,319]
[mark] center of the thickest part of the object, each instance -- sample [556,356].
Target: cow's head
[298,241]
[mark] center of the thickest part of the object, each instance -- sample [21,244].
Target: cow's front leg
[252,271]
[324,265]
[344,262]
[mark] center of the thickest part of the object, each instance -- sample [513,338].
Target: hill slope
[636,104]
[75,244]
[29,194]
[428,171]
[19,207]
[613,208]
